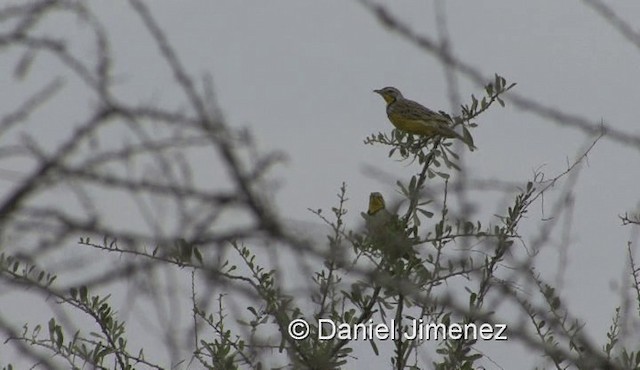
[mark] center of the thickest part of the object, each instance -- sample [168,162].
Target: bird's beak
[378,91]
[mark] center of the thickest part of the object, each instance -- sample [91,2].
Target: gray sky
[300,75]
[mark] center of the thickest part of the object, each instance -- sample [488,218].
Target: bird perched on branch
[386,231]
[414,118]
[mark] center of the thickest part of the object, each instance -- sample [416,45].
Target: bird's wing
[416,111]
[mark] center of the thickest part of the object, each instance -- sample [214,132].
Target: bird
[414,118]
[385,230]
[376,204]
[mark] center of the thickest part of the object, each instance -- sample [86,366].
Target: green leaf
[374,347]
[197,254]
[425,212]
[489,89]
[474,103]
[83,293]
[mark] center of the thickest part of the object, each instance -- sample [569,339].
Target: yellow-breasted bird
[385,230]
[414,118]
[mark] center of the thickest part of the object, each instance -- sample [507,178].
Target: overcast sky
[300,75]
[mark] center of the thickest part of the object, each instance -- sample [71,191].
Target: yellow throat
[376,203]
